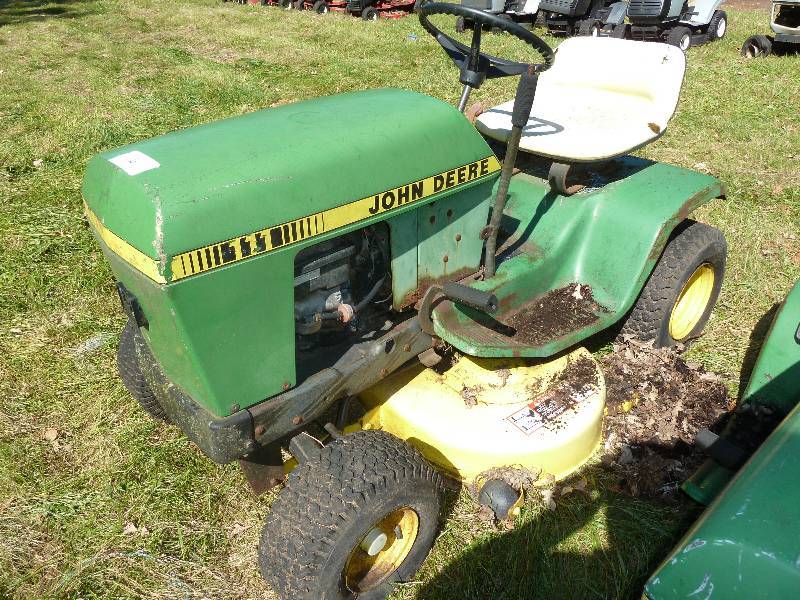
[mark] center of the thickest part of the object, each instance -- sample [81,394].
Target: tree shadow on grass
[547,555]
[14,12]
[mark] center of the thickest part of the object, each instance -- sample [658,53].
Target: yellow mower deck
[487,413]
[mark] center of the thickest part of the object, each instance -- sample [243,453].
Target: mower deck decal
[137,259]
[245,246]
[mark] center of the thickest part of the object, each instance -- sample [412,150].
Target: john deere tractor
[420,290]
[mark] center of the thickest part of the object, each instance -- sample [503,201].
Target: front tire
[370,14]
[321,7]
[361,516]
[681,37]
[677,300]
[590,28]
[131,374]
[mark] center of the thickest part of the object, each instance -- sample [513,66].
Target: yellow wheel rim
[692,302]
[391,539]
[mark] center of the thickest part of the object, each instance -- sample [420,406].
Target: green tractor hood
[201,227]
[205,185]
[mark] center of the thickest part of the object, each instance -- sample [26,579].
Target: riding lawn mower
[408,309]
[785,24]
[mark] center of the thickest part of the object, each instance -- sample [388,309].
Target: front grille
[645,8]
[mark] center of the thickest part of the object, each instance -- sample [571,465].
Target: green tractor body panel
[747,542]
[775,379]
[202,226]
[608,238]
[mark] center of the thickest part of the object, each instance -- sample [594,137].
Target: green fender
[609,238]
[775,380]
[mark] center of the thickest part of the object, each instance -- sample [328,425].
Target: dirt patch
[657,402]
[554,315]
[748,4]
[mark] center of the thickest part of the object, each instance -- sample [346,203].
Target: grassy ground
[96,500]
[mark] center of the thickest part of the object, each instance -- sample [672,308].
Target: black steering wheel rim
[489,66]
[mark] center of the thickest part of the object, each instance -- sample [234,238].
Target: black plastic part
[304,448]
[523,101]
[478,299]
[722,451]
[499,496]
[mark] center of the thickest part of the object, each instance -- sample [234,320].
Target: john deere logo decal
[213,256]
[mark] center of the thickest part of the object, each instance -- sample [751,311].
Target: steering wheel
[475,66]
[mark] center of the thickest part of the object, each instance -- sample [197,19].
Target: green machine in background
[747,542]
[304,267]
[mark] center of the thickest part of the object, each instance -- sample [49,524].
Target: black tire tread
[657,298]
[323,495]
[132,377]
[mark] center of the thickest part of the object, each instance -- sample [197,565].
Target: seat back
[647,71]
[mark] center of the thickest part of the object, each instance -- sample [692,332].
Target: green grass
[84,76]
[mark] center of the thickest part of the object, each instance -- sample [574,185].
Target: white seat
[602,98]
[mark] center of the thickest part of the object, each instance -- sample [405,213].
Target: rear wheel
[299,5]
[677,299]
[321,7]
[681,37]
[131,374]
[718,25]
[285,4]
[757,46]
[370,14]
[355,520]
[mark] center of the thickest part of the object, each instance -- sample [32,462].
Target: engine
[339,284]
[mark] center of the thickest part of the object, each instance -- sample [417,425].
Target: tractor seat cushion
[602,98]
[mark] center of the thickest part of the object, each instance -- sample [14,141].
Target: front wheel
[677,299]
[757,46]
[718,25]
[321,7]
[131,374]
[353,521]
[370,14]
[681,37]
[589,27]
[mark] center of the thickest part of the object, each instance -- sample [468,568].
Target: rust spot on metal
[407,348]
[384,372]
[286,385]
[458,237]
[654,127]
[296,420]
[445,258]
[234,408]
[413,297]
[260,430]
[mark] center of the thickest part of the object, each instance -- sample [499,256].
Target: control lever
[477,299]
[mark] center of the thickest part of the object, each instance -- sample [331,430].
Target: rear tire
[299,5]
[321,7]
[370,14]
[313,543]
[666,310]
[285,4]
[681,37]
[757,46]
[131,374]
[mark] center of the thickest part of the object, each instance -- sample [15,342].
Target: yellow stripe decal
[217,255]
[137,259]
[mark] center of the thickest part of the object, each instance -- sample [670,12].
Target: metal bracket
[557,177]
